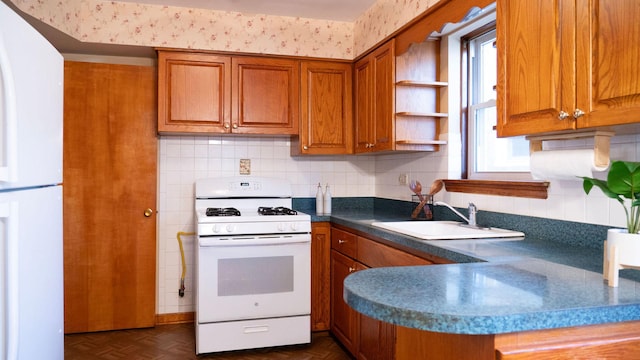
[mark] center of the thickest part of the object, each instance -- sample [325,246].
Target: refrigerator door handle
[9,215]
[9,136]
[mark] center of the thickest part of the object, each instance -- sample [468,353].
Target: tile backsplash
[184,159]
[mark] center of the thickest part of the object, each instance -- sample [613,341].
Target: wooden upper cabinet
[194,92]
[608,73]
[265,95]
[363,105]
[326,116]
[567,64]
[375,100]
[209,93]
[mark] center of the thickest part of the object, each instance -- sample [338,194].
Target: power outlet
[403,179]
[245,166]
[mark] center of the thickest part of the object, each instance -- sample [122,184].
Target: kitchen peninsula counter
[494,286]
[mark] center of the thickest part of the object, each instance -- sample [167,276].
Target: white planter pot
[621,251]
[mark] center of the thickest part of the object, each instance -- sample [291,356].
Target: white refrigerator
[31,271]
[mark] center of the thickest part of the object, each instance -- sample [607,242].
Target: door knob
[148,212]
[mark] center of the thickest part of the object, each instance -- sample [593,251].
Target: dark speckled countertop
[550,279]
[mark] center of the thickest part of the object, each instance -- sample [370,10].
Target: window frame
[469,105]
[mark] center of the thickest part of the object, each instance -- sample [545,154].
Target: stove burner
[223,212]
[281,210]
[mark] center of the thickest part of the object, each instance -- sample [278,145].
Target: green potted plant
[622,248]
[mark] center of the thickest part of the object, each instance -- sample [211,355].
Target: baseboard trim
[174,318]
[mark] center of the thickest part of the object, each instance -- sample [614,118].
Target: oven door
[253,277]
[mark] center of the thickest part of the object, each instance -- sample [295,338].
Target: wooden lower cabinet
[344,320]
[376,339]
[320,275]
[605,341]
[364,337]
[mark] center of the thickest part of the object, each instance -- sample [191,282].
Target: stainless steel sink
[445,230]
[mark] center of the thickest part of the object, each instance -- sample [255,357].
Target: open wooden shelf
[436,84]
[422,114]
[421,142]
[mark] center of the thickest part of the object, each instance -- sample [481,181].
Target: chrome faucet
[473,210]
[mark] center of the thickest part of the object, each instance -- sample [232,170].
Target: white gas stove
[253,263]
[247,205]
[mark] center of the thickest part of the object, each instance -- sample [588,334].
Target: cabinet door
[326,113]
[536,59]
[608,71]
[344,320]
[375,100]
[363,105]
[265,96]
[320,276]
[194,93]
[383,62]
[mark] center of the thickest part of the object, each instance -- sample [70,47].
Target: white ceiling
[340,10]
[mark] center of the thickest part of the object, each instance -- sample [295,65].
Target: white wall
[184,159]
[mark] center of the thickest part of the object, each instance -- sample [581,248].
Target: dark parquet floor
[169,342]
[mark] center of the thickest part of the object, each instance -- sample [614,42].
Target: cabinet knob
[563,115]
[305,147]
[226,125]
[352,269]
[340,241]
[235,126]
[577,113]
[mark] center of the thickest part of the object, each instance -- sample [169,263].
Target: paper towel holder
[601,143]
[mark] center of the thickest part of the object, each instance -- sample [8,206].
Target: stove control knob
[230,228]
[294,227]
[282,227]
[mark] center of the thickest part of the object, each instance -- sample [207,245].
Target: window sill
[526,189]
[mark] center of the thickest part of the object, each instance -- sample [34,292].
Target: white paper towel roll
[563,164]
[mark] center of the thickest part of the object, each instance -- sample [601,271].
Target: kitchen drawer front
[375,254]
[344,242]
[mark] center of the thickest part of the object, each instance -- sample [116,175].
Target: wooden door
[344,320]
[320,276]
[266,93]
[110,156]
[363,105]
[536,59]
[607,64]
[326,125]
[194,93]
[384,70]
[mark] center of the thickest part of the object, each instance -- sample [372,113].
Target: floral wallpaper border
[120,23]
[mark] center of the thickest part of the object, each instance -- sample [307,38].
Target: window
[488,157]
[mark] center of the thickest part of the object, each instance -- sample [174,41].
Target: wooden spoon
[416,187]
[436,186]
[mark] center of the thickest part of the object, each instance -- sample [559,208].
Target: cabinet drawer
[375,254]
[344,242]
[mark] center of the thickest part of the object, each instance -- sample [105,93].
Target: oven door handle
[239,241]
